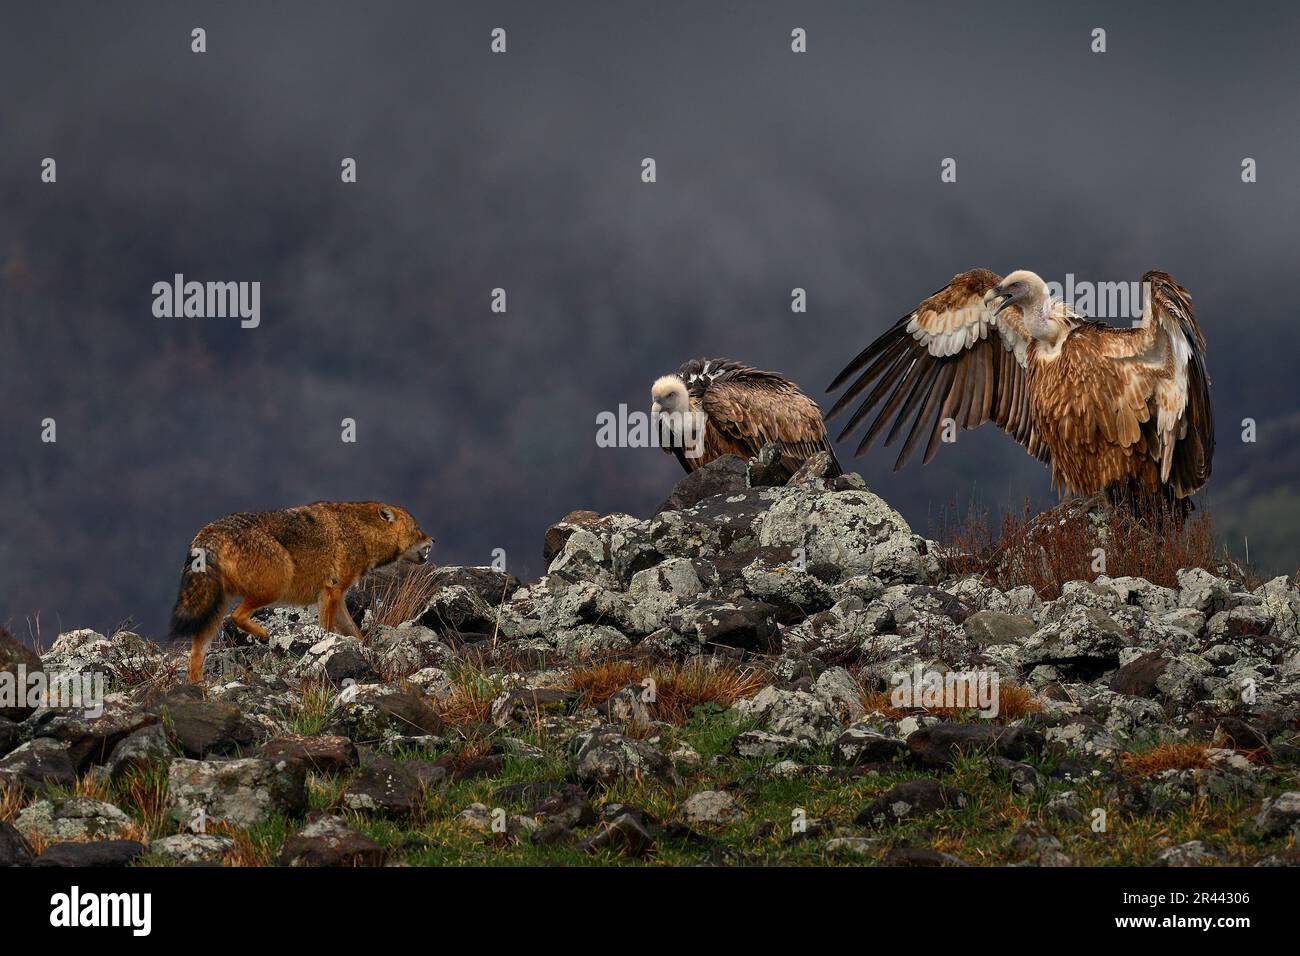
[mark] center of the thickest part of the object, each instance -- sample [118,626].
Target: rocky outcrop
[813,595]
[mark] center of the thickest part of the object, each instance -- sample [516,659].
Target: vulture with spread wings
[1120,410]
[714,407]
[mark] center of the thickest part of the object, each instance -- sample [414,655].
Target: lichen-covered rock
[193,847]
[91,739]
[1279,814]
[796,714]
[39,763]
[335,659]
[606,756]
[854,530]
[18,664]
[709,807]
[370,713]
[72,818]
[328,841]
[911,799]
[241,792]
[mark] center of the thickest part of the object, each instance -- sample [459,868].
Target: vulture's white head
[668,396]
[679,425]
[1028,291]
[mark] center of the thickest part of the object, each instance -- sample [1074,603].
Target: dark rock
[489,765]
[384,786]
[324,753]
[920,856]
[379,712]
[939,745]
[612,811]
[492,586]
[428,775]
[14,849]
[18,663]
[9,736]
[147,748]
[92,739]
[553,833]
[557,535]
[625,834]
[1138,677]
[765,470]
[36,764]
[858,745]
[911,799]
[986,628]
[209,728]
[570,807]
[748,625]
[722,476]
[608,757]
[98,854]
[328,841]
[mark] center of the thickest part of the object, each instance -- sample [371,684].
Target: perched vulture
[1120,410]
[713,407]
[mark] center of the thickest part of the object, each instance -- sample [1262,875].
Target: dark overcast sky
[522,171]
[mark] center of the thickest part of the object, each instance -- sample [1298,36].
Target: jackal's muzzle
[419,554]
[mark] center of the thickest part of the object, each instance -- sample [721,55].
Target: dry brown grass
[95,787]
[1170,756]
[247,849]
[678,688]
[400,596]
[471,698]
[1014,701]
[12,800]
[1046,551]
[145,792]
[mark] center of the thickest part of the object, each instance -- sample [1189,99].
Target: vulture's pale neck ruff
[1029,293]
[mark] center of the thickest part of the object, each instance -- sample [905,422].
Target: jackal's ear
[386,513]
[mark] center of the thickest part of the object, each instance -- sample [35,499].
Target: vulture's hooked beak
[999,295]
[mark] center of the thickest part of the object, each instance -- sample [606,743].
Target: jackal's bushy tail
[201,598]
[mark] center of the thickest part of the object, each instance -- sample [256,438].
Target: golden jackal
[299,556]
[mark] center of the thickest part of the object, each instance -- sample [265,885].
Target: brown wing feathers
[945,360]
[751,408]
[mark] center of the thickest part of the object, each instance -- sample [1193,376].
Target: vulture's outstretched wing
[1168,385]
[751,408]
[951,358]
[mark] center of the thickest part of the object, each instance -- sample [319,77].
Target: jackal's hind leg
[241,615]
[199,649]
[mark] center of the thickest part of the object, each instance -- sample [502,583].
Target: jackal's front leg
[332,612]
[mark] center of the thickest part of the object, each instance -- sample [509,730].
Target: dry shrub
[1171,756]
[12,800]
[1044,551]
[1014,701]
[145,791]
[247,850]
[473,690]
[96,787]
[401,595]
[679,688]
